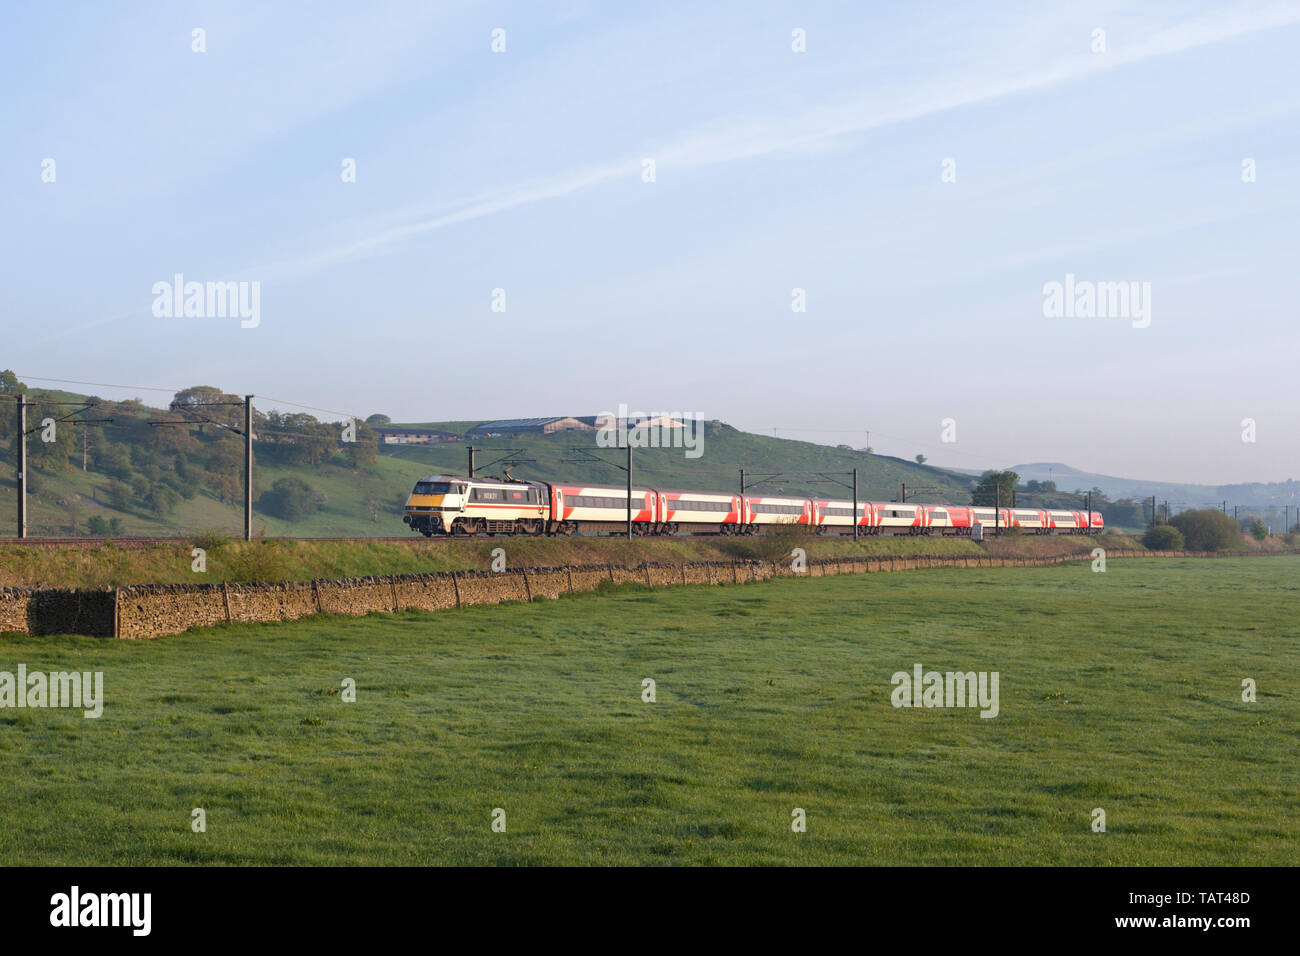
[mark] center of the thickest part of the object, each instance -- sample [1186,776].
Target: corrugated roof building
[525,426]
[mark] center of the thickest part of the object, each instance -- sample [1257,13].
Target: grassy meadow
[111,564]
[1119,690]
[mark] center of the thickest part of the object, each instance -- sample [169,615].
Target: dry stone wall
[155,610]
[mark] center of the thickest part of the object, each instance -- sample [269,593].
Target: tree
[378,420]
[363,452]
[225,471]
[120,495]
[1207,529]
[9,387]
[920,459]
[1124,513]
[162,500]
[986,492]
[112,460]
[52,455]
[289,498]
[1258,530]
[1163,537]
[198,402]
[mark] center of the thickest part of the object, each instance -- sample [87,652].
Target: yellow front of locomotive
[434,504]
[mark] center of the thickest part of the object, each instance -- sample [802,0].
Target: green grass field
[1119,690]
[109,565]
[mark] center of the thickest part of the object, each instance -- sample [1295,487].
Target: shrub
[1163,537]
[1207,529]
[1258,530]
[257,561]
[162,500]
[120,495]
[290,499]
[211,540]
[776,543]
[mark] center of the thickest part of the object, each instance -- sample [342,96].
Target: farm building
[412,435]
[528,426]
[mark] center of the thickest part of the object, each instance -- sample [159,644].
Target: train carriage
[1066,521]
[896,518]
[698,512]
[1031,519]
[836,517]
[597,509]
[765,511]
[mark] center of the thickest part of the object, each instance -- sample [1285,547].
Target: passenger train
[467,507]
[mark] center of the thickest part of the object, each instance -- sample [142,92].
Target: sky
[913,176]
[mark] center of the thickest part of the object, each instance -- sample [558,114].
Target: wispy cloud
[733,139]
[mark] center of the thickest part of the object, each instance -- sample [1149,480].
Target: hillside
[725,451]
[129,477]
[1265,497]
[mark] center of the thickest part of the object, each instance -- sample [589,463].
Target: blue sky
[775,170]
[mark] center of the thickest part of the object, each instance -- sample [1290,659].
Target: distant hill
[1180,495]
[140,479]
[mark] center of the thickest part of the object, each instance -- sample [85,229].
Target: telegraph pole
[997,505]
[471,461]
[21,439]
[248,467]
[902,494]
[629,490]
[855,504]
[1087,503]
[1155,518]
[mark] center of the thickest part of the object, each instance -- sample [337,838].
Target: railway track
[129,542]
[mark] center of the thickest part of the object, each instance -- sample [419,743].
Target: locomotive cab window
[437,488]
